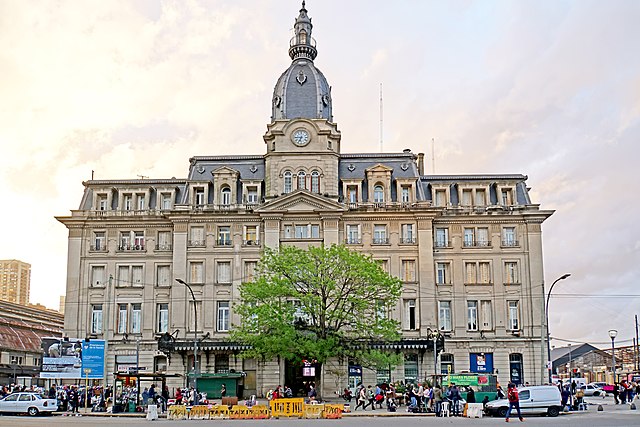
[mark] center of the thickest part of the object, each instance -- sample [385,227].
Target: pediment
[301,201]
[379,168]
[224,170]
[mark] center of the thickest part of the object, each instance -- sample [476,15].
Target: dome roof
[302,90]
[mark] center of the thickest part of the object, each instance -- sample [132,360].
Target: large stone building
[468,248]
[15,281]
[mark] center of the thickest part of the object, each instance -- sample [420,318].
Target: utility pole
[637,347]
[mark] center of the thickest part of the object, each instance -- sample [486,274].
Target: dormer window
[507,197]
[166,200]
[252,195]
[225,196]
[288,184]
[127,202]
[302,180]
[102,202]
[378,194]
[199,196]
[352,194]
[315,182]
[141,202]
[406,194]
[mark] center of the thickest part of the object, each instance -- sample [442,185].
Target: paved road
[611,418]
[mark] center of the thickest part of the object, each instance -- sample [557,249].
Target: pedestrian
[178,396]
[362,399]
[454,396]
[73,399]
[616,392]
[437,399]
[471,396]
[223,390]
[514,401]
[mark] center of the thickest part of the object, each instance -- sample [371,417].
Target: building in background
[61,306]
[21,330]
[15,281]
[467,247]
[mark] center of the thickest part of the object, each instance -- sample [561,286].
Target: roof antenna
[433,155]
[142,176]
[91,174]
[381,118]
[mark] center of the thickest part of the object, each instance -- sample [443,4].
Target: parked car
[607,388]
[27,403]
[534,400]
[593,390]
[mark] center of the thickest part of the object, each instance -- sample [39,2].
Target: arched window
[378,194]
[302,180]
[302,37]
[515,368]
[315,181]
[287,182]
[225,198]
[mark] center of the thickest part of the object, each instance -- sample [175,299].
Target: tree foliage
[320,303]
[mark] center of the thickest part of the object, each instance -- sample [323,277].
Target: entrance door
[299,376]
[515,368]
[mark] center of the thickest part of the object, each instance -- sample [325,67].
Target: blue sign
[355,371]
[93,358]
[481,362]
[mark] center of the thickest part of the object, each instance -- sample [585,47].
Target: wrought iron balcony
[476,244]
[408,240]
[223,242]
[380,241]
[510,243]
[353,241]
[196,243]
[251,243]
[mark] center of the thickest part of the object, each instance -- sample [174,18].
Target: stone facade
[468,248]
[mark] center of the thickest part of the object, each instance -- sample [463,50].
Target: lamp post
[613,333]
[546,312]
[195,340]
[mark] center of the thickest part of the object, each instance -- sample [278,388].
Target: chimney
[421,163]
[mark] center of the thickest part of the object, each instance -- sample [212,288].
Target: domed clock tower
[303,143]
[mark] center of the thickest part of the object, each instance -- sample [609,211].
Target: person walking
[454,395]
[362,399]
[514,401]
[437,399]
[223,390]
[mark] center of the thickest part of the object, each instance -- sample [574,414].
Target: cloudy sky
[550,89]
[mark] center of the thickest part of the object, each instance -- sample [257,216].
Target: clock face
[301,137]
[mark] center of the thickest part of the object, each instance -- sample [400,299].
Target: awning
[211,346]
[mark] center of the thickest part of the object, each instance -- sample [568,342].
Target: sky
[549,89]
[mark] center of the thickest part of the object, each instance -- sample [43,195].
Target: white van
[534,400]
[580,382]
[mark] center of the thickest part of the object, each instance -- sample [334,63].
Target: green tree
[320,303]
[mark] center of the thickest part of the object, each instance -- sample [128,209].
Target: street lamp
[613,333]
[546,312]
[195,341]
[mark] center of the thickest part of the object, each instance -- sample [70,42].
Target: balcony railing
[380,241]
[98,248]
[251,243]
[223,242]
[510,243]
[131,248]
[196,243]
[163,247]
[442,244]
[477,244]
[408,240]
[353,241]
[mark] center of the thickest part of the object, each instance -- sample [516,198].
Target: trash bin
[132,406]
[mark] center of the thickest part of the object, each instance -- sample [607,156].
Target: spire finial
[303,2]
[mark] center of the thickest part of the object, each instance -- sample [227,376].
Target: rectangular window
[353,234]
[470,272]
[446,363]
[138,241]
[469,237]
[514,316]
[483,237]
[99,241]
[442,237]
[467,197]
[96,319]
[122,318]
[441,198]
[486,315]
[249,270]
[507,198]
[221,363]
[136,318]
[98,275]
[125,241]
[224,235]
[472,315]
[410,307]
[197,272]
[136,275]
[442,273]
[196,237]
[315,231]
[199,196]
[165,201]
[224,272]
[481,199]
[301,232]
[381,309]
[384,265]
[163,318]
[142,202]
[164,241]
[484,273]
[380,234]
[123,275]
[251,235]
[352,194]
[252,195]
[407,234]
[163,275]
[444,315]
[406,194]
[128,202]
[511,272]
[102,202]
[509,236]
[409,270]
[223,316]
